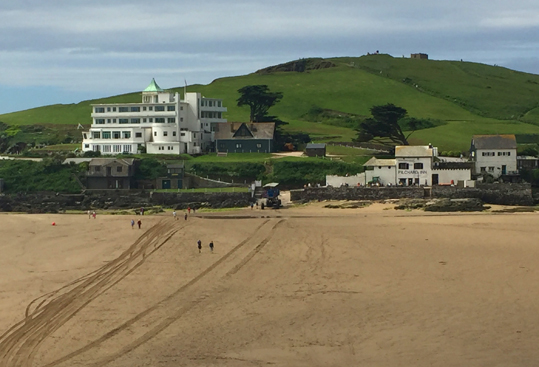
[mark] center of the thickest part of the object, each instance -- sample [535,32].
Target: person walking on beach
[189,209]
[93,214]
[199,246]
[185,216]
[139,223]
[132,224]
[89,214]
[174,215]
[211,247]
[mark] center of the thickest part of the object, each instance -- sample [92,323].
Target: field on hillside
[295,287]
[472,98]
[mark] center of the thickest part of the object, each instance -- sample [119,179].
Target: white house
[161,123]
[494,154]
[415,165]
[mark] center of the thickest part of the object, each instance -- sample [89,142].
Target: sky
[66,51]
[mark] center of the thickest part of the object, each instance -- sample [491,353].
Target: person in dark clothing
[211,247]
[185,217]
[199,246]
[139,224]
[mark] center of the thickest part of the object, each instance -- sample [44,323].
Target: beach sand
[304,286]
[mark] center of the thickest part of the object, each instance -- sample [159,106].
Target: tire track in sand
[46,314]
[146,325]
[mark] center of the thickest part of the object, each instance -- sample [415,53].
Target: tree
[259,99]
[384,128]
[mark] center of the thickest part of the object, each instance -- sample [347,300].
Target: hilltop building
[494,154]
[161,124]
[419,56]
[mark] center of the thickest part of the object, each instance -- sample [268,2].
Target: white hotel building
[162,124]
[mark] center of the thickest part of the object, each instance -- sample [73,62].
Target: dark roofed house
[110,173]
[315,150]
[241,137]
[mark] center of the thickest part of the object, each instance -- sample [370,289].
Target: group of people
[91,214]
[133,223]
[199,243]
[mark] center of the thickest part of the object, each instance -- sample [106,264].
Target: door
[166,184]
[180,184]
[504,170]
[435,179]
[410,181]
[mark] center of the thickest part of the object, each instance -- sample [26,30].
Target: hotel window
[491,169]
[118,168]
[403,165]
[106,135]
[113,121]
[99,121]
[116,135]
[109,121]
[135,121]
[171,108]
[99,109]
[219,115]
[508,153]
[126,134]
[155,133]
[165,133]
[117,148]
[150,119]
[135,109]
[181,119]
[194,135]
[138,135]
[160,119]
[210,103]
[174,133]
[143,120]
[181,108]
[96,135]
[150,108]
[144,108]
[108,109]
[418,165]
[123,121]
[483,169]
[182,134]
[87,145]
[113,109]
[97,148]
[123,109]
[219,103]
[171,120]
[159,108]
[107,148]
[127,148]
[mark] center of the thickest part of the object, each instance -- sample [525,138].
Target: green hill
[471,98]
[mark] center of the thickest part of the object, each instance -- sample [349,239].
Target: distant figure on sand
[132,224]
[185,216]
[139,224]
[199,246]
[189,209]
[89,214]
[93,214]
[211,247]
[141,211]
[174,215]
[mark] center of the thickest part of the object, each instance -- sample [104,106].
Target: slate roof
[260,130]
[494,142]
[105,161]
[315,146]
[380,162]
[413,151]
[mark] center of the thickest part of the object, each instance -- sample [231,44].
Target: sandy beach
[305,286]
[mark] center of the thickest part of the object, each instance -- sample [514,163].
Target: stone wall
[496,193]
[503,194]
[52,202]
[355,193]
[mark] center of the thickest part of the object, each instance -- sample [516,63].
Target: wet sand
[304,286]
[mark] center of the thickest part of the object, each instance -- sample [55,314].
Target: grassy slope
[446,90]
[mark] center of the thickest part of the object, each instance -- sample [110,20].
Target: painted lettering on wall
[412,172]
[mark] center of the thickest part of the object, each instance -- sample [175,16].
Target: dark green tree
[259,99]
[384,128]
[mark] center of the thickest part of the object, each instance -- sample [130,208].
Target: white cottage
[415,165]
[494,154]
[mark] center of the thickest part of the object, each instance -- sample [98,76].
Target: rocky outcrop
[442,205]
